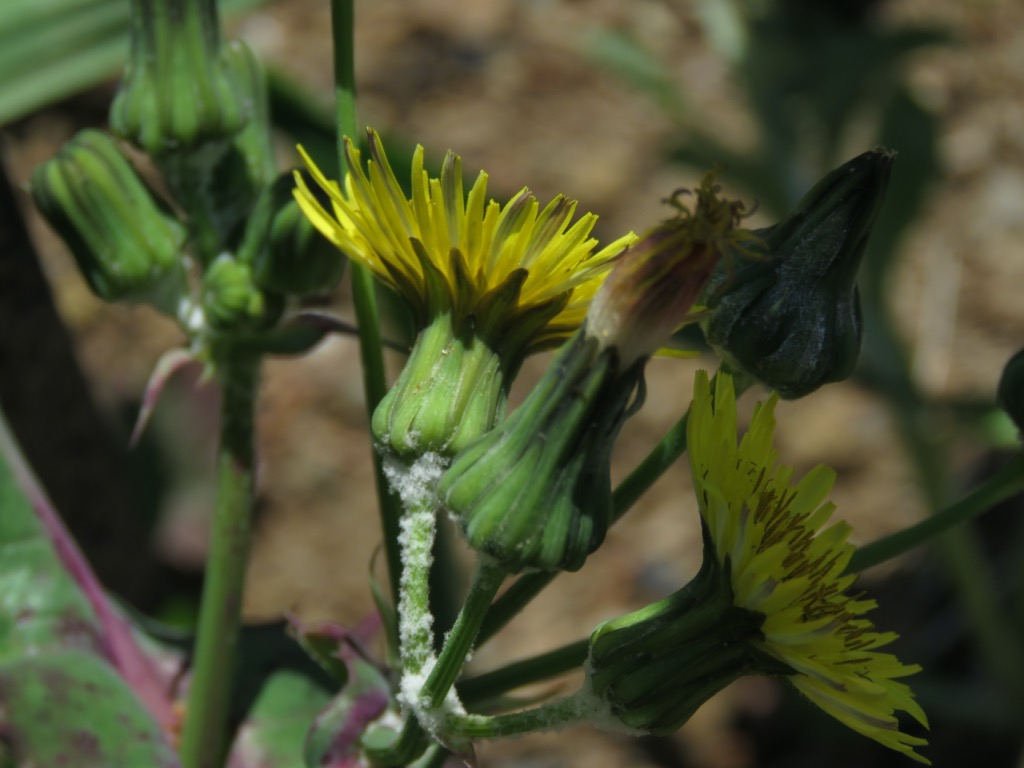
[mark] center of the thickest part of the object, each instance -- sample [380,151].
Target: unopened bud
[791,317]
[176,93]
[290,255]
[232,301]
[534,493]
[126,244]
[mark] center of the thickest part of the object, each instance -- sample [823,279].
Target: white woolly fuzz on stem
[415,485]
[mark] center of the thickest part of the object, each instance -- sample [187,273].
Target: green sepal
[534,493]
[126,243]
[791,318]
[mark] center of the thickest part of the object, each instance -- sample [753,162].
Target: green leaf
[274,733]
[72,708]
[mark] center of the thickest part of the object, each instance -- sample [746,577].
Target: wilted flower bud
[791,318]
[126,244]
[231,300]
[176,92]
[1010,394]
[535,493]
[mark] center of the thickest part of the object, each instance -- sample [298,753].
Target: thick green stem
[203,738]
[364,296]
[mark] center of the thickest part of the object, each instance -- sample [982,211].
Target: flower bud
[126,244]
[1010,394]
[289,254]
[534,493]
[176,93]
[233,302]
[791,317]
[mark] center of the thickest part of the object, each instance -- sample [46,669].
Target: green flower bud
[534,493]
[1010,394]
[126,244]
[792,318]
[233,302]
[289,254]
[655,667]
[176,92]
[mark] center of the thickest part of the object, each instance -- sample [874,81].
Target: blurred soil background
[517,89]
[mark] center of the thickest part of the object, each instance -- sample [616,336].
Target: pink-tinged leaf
[334,738]
[50,599]
[169,363]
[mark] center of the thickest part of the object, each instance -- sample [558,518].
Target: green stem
[1005,483]
[550,716]
[203,736]
[543,667]
[639,481]
[961,550]
[364,296]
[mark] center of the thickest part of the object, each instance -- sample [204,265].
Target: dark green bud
[792,318]
[288,254]
[534,493]
[176,92]
[232,301]
[1010,394]
[655,667]
[127,245]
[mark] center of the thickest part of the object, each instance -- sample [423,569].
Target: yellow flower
[767,535]
[442,250]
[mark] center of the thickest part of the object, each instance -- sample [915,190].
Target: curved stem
[1005,483]
[203,735]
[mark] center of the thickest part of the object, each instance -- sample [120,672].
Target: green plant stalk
[427,702]
[364,297]
[550,716]
[1002,485]
[636,484]
[544,666]
[203,736]
[960,550]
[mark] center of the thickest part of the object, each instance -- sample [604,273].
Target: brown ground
[509,86]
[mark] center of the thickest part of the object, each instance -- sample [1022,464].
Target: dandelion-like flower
[487,283]
[768,535]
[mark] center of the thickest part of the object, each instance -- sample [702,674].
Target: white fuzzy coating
[415,485]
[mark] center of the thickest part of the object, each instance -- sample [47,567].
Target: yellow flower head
[767,534]
[445,251]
